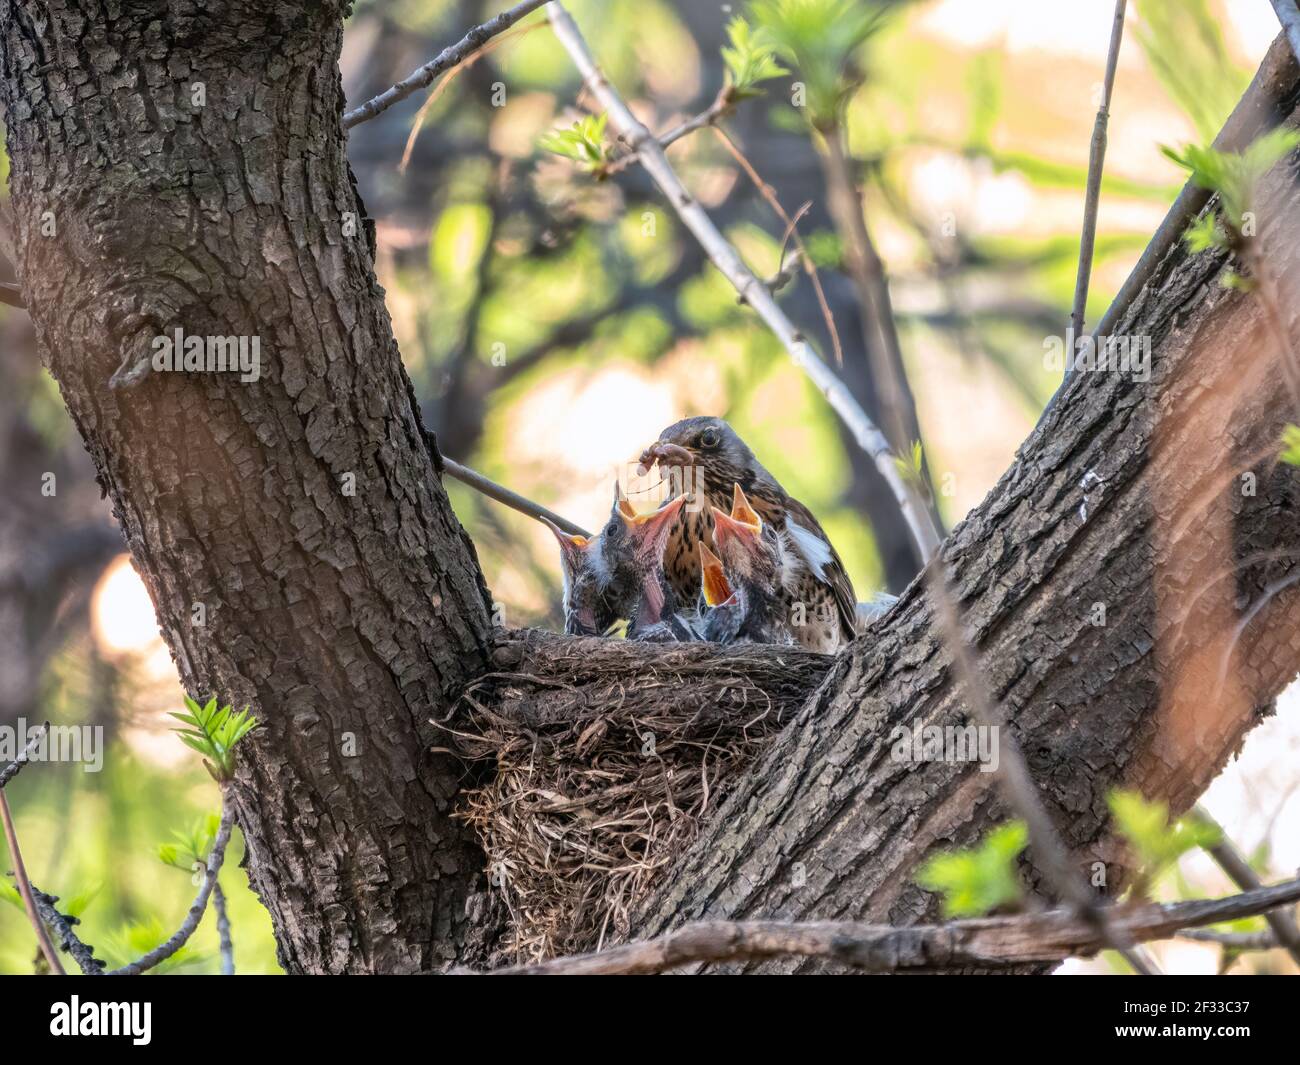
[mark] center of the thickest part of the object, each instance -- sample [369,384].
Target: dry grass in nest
[580,817]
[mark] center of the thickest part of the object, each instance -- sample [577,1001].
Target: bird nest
[580,818]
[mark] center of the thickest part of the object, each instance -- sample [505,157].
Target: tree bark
[349,620]
[301,511]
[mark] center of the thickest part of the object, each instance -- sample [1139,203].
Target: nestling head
[739,542]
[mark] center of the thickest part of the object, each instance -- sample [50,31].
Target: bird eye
[611,528]
[709,438]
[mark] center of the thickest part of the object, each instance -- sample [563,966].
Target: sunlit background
[553,325]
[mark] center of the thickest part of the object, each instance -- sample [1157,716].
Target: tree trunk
[299,549]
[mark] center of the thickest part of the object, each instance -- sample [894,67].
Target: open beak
[742,512]
[571,547]
[726,527]
[713,578]
[667,454]
[650,531]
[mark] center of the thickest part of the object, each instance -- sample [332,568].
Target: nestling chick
[740,585]
[813,587]
[617,574]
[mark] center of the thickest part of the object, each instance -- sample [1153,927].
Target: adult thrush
[705,457]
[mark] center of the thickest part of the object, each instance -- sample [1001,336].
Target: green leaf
[10,893]
[1154,841]
[215,733]
[749,58]
[1186,50]
[1291,445]
[820,39]
[1234,175]
[583,142]
[1205,233]
[977,881]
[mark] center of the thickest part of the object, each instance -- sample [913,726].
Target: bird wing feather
[826,565]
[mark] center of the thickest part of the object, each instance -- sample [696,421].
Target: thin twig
[11,296]
[444,84]
[722,105]
[443,61]
[506,497]
[1239,941]
[1233,862]
[725,257]
[25,889]
[223,930]
[24,756]
[987,942]
[791,230]
[1092,198]
[1255,113]
[179,938]
[1289,16]
[82,954]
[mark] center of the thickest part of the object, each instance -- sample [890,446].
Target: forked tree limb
[211,868]
[989,943]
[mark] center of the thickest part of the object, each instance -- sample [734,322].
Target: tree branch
[16,855]
[991,942]
[223,930]
[1092,198]
[506,497]
[442,62]
[25,888]
[82,954]
[179,938]
[1271,94]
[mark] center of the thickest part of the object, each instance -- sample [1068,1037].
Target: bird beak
[725,528]
[742,512]
[650,531]
[667,454]
[571,547]
[713,578]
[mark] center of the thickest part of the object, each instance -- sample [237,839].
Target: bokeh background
[553,324]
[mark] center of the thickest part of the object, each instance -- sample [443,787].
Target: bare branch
[1240,941]
[506,497]
[1092,198]
[443,61]
[223,930]
[728,261]
[179,938]
[82,954]
[991,942]
[24,756]
[25,888]
[1231,861]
